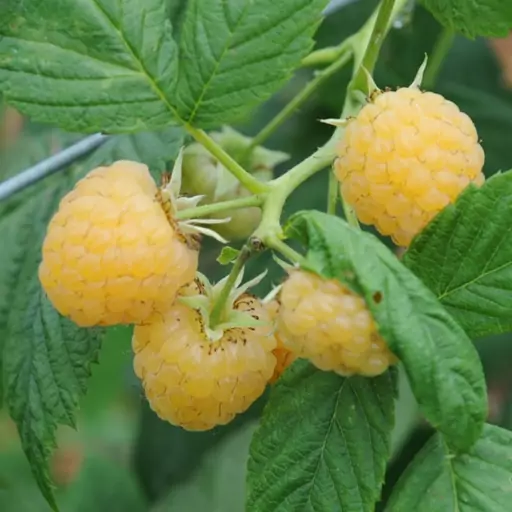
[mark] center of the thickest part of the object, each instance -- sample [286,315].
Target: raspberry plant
[115,240]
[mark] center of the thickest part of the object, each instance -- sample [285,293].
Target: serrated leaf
[465,257]
[441,362]
[473,18]
[93,65]
[45,358]
[228,255]
[115,68]
[323,442]
[479,481]
[236,53]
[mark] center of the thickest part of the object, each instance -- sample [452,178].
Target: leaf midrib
[140,65]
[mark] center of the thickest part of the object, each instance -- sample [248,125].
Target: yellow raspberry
[323,321]
[284,356]
[111,255]
[194,381]
[406,156]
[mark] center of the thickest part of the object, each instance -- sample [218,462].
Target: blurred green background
[123,458]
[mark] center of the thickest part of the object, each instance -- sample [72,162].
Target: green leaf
[115,67]
[236,53]
[473,18]
[442,364]
[479,481]
[93,65]
[323,442]
[465,256]
[228,255]
[46,358]
[218,485]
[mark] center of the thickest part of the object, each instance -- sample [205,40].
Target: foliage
[155,74]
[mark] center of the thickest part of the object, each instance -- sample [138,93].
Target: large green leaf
[479,481]
[323,443]
[89,65]
[473,17]
[46,358]
[235,53]
[465,256]
[113,66]
[441,362]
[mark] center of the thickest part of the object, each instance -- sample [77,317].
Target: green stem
[209,209]
[332,194]
[344,54]
[220,303]
[323,56]
[278,245]
[282,187]
[247,180]
[359,82]
[435,62]
[374,32]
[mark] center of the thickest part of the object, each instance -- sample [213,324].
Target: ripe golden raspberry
[323,321]
[111,256]
[284,356]
[197,378]
[406,156]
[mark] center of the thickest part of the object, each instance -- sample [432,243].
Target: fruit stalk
[246,179]
[220,303]
[209,209]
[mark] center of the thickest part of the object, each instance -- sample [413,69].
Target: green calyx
[203,296]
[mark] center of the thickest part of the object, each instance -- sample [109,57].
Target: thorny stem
[209,209]
[247,180]
[343,56]
[220,303]
[436,59]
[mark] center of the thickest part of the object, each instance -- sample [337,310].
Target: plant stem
[435,62]
[278,245]
[344,54]
[383,17]
[220,303]
[332,194]
[209,209]
[367,64]
[323,56]
[247,180]
[283,186]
